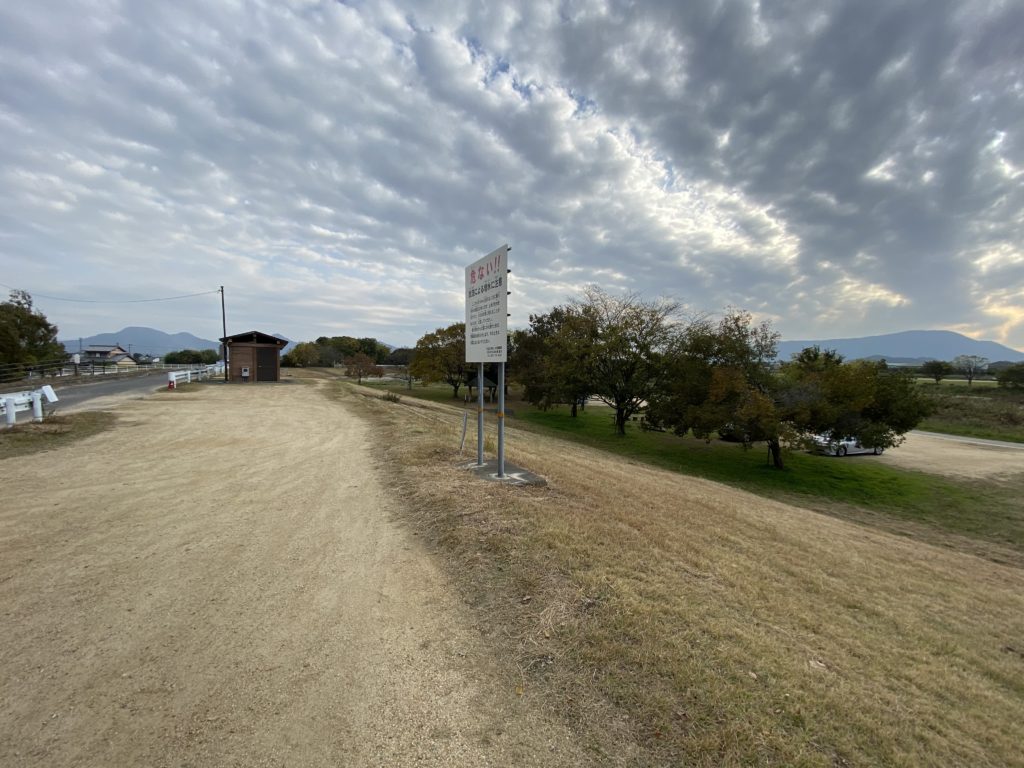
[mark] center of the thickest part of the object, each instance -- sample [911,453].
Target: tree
[361,365]
[553,360]
[373,349]
[305,354]
[720,380]
[441,356]
[399,356]
[192,357]
[970,366]
[864,399]
[26,336]
[630,336]
[1012,376]
[937,369]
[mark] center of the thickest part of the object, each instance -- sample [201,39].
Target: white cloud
[336,166]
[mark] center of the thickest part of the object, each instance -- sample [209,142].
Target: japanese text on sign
[487,308]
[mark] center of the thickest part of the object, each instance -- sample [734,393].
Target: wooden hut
[254,356]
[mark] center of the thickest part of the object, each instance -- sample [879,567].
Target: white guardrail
[12,402]
[174,378]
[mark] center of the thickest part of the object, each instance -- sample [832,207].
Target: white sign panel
[487,308]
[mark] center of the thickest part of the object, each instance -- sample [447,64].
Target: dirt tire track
[218,581]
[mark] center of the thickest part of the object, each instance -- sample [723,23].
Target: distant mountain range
[907,347]
[148,341]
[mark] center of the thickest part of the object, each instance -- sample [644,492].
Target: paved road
[79,394]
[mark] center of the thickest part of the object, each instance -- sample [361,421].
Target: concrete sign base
[513,475]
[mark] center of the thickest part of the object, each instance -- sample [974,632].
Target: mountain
[148,341]
[907,347]
[287,347]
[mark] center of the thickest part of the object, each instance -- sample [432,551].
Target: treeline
[1006,374]
[689,374]
[192,357]
[327,352]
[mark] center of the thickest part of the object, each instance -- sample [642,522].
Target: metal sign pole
[501,419]
[224,327]
[480,415]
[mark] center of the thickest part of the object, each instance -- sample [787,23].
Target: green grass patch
[958,427]
[956,382]
[991,413]
[56,432]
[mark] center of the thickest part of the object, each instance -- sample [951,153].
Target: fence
[174,378]
[12,374]
[12,402]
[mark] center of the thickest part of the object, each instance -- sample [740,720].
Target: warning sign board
[487,308]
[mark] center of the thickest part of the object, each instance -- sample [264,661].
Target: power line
[110,301]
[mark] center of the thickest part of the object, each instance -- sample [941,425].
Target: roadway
[77,395]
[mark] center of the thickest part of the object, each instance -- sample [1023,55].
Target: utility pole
[224,327]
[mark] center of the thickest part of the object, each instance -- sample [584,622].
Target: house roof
[105,348]
[254,337]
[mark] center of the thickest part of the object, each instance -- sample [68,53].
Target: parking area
[956,456]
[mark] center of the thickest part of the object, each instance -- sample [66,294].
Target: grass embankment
[55,432]
[673,620]
[995,413]
[859,488]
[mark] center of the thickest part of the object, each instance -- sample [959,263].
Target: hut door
[266,364]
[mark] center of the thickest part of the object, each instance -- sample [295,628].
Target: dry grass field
[677,621]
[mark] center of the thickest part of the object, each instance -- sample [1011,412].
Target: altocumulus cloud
[841,168]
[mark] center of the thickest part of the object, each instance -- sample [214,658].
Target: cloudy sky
[840,168]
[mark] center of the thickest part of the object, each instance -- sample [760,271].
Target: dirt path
[958,457]
[218,582]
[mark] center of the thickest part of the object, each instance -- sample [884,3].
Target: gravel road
[219,582]
[965,457]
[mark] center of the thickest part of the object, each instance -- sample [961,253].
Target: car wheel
[878,451]
[841,450]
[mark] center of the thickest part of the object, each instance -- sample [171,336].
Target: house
[106,354]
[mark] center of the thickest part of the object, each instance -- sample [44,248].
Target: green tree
[971,366]
[625,364]
[441,356]
[937,369]
[553,360]
[1011,377]
[26,336]
[192,357]
[864,399]
[399,356]
[373,349]
[720,379]
[305,354]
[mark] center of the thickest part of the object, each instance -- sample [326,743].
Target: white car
[842,447]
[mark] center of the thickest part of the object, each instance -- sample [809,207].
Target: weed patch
[56,432]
